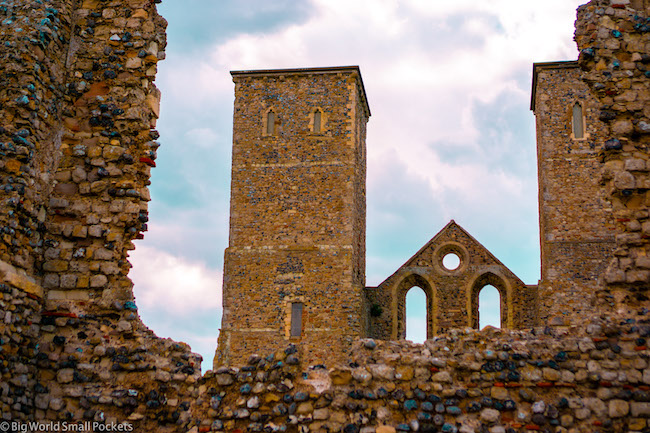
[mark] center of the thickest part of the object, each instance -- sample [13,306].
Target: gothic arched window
[578,121]
[317,121]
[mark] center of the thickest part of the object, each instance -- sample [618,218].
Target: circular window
[451,261]
[451,258]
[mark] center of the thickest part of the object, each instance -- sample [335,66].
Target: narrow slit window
[317,121]
[578,121]
[270,123]
[296,319]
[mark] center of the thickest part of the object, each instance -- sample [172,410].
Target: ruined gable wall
[452,294]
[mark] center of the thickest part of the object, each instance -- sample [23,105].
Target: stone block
[618,408]
[640,409]
[97,281]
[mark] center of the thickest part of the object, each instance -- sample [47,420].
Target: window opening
[416,315]
[317,121]
[578,121]
[270,123]
[296,319]
[451,261]
[489,307]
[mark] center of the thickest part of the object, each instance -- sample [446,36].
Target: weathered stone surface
[618,408]
[75,349]
[571,196]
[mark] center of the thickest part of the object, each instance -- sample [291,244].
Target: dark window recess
[270,123]
[578,124]
[296,319]
[317,117]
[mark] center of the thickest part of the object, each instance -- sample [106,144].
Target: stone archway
[498,282]
[399,304]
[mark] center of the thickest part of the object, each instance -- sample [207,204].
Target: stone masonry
[452,294]
[78,109]
[575,218]
[614,42]
[297,213]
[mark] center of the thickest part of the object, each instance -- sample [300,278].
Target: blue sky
[450,137]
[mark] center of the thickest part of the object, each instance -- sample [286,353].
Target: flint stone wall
[77,112]
[613,37]
[77,108]
[577,235]
[592,378]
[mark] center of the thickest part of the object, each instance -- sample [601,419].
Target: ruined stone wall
[19,345]
[452,294]
[576,222]
[614,41]
[591,378]
[297,215]
[34,40]
[77,112]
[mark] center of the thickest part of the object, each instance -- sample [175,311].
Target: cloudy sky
[450,137]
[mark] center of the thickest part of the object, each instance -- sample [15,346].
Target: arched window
[271,120]
[317,121]
[578,121]
[489,307]
[416,315]
[489,294]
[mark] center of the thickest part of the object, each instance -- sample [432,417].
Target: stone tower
[295,265]
[575,219]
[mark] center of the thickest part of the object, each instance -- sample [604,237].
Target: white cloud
[172,285]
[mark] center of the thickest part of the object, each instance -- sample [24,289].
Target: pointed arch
[489,300]
[399,309]
[317,121]
[578,121]
[270,122]
[498,282]
[415,317]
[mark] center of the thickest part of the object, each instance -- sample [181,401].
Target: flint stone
[224,379]
[618,408]
[382,371]
[624,180]
[635,164]
[490,415]
[643,126]
[622,127]
[65,375]
[361,375]
[499,393]
[442,376]
[56,404]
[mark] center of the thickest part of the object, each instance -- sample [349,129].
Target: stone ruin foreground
[305,346]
